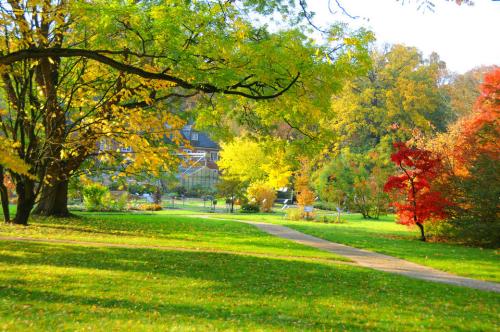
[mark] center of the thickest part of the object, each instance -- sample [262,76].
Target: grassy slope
[70,287]
[385,236]
[173,230]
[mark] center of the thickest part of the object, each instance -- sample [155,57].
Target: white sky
[464,36]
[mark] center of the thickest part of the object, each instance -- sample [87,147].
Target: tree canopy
[400,93]
[77,73]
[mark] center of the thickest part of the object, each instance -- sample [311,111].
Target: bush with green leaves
[249,208]
[96,197]
[329,219]
[294,214]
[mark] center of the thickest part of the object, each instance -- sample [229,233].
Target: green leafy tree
[231,189]
[400,93]
[75,73]
[463,90]
[355,181]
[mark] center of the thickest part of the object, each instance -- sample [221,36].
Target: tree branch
[36,53]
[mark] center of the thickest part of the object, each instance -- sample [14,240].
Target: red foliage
[480,132]
[418,168]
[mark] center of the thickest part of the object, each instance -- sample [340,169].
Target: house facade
[199,166]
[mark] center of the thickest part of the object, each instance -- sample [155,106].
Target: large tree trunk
[54,200]
[25,189]
[4,196]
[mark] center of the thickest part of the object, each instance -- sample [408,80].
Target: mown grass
[387,237]
[160,229]
[54,287]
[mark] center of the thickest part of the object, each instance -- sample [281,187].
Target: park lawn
[162,229]
[61,287]
[387,237]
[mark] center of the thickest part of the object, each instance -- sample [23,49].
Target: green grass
[57,287]
[54,287]
[387,237]
[161,229]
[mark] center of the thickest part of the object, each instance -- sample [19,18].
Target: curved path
[371,259]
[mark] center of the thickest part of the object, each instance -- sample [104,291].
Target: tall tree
[470,152]
[464,89]
[400,93]
[74,72]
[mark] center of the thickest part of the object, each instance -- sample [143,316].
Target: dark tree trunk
[54,200]
[232,204]
[25,200]
[421,231]
[4,196]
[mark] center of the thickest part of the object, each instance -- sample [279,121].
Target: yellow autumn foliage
[8,158]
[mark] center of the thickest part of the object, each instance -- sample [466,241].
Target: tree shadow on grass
[263,288]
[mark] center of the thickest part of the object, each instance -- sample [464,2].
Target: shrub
[293,214]
[150,207]
[471,232]
[325,206]
[118,204]
[305,197]
[355,182]
[97,197]
[299,214]
[249,208]
[263,195]
[94,196]
[329,219]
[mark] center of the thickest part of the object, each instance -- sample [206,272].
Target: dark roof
[203,141]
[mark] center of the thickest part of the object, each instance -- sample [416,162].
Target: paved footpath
[372,259]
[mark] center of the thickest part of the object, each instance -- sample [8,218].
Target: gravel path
[371,259]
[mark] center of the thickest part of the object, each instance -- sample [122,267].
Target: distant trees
[464,89]
[452,178]
[399,94]
[355,182]
[470,176]
[302,185]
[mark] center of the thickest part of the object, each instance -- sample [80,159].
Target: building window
[214,156]
[194,136]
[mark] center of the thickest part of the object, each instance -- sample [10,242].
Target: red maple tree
[417,168]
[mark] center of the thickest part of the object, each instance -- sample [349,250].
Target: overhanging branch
[99,57]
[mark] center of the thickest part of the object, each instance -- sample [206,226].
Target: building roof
[203,140]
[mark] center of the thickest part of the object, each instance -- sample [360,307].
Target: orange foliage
[472,136]
[262,194]
[305,197]
[470,153]
[304,194]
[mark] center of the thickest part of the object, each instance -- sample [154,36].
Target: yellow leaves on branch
[10,160]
